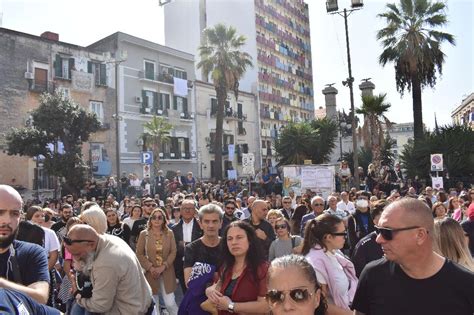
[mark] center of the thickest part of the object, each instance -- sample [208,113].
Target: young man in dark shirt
[148,206]
[59,227]
[263,229]
[206,249]
[411,278]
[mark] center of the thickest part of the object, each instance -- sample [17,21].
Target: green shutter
[175,102]
[186,145]
[144,99]
[103,74]
[155,101]
[58,67]
[167,101]
[160,101]
[89,67]
[71,67]
[185,105]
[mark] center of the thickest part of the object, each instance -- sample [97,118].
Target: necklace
[238,272]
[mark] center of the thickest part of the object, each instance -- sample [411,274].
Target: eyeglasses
[387,233]
[149,205]
[280,226]
[69,241]
[157,218]
[298,295]
[318,204]
[340,234]
[230,208]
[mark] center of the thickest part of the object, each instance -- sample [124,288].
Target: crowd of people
[200,248]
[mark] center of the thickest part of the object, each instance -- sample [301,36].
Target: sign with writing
[248,162]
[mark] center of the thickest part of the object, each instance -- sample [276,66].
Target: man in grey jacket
[119,286]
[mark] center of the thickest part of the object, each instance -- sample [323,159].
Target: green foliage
[306,141]
[223,60]
[365,156]
[56,119]
[156,131]
[456,143]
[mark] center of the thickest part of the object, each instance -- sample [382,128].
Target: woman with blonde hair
[156,251]
[273,215]
[96,218]
[451,242]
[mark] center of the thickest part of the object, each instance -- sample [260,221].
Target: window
[164,102]
[149,70]
[41,79]
[180,104]
[97,108]
[99,70]
[149,99]
[63,67]
[180,74]
[165,69]
[213,106]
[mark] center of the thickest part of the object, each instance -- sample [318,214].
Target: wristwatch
[231,307]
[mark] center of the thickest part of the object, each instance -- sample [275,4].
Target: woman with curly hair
[242,283]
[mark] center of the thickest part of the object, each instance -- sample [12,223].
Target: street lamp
[332,8]
[117,61]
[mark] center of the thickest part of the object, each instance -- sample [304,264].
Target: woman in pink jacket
[324,237]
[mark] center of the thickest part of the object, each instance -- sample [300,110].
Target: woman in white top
[344,175]
[135,214]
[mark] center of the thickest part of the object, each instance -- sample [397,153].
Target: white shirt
[129,221]
[188,231]
[341,280]
[51,242]
[349,206]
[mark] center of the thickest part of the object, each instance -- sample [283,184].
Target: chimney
[51,36]
[330,93]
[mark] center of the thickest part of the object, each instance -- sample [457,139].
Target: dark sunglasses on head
[69,241]
[157,217]
[298,295]
[388,233]
[280,226]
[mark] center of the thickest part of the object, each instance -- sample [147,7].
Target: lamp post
[117,117]
[332,8]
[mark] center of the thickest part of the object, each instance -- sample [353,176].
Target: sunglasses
[280,226]
[69,241]
[388,233]
[340,234]
[157,218]
[318,204]
[298,295]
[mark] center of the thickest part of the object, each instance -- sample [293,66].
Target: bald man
[412,278]
[263,229]
[23,266]
[119,286]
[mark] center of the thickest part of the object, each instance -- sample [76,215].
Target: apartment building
[31,65]
[278,39]
[153,80]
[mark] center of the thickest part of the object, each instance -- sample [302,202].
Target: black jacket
[178,237]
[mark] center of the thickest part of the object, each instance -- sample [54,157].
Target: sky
[86,21]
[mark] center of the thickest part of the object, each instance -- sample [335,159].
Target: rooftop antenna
[330,85]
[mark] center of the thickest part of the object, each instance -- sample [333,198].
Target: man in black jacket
[360,223]
[185,231]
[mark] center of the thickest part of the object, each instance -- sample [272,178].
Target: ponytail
[317,228]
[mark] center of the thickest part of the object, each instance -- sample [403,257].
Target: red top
[247,288]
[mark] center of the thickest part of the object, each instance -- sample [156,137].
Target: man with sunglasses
[317,205]
[287,209]
[119,285]
[148,205]
[229,210]
[23,266]
[412,278]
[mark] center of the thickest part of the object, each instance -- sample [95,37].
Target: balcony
[153,111]
[166,78]
[186,115]
[42,86]
[175,155]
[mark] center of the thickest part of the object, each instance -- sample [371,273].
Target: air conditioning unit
[159,112]
[29,75]
[138,99]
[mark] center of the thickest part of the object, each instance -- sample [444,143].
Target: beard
[84,265]
[6,241]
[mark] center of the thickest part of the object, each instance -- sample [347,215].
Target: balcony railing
[175,155]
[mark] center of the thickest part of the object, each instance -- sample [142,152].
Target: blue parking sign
[147,157]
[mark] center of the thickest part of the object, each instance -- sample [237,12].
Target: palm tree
[156,131]
[412,42]
[222,59]
[313,141]
[373,109]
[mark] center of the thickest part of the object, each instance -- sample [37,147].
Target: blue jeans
[76,309]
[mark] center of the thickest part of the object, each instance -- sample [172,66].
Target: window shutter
[185,75]
[144,99]
[167,101]
[58,67]
[175,102]
[186,145]
[185,105]
[89,67]
[71,67]
[213,106]
[103,74]
[161,101]
[155,100]
[245,148]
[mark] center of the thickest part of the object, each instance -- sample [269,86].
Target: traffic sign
[147,157]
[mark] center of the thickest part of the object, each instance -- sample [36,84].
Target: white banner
[146,170]
[437,182]
[248,161]
[231,149]
[232,174]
